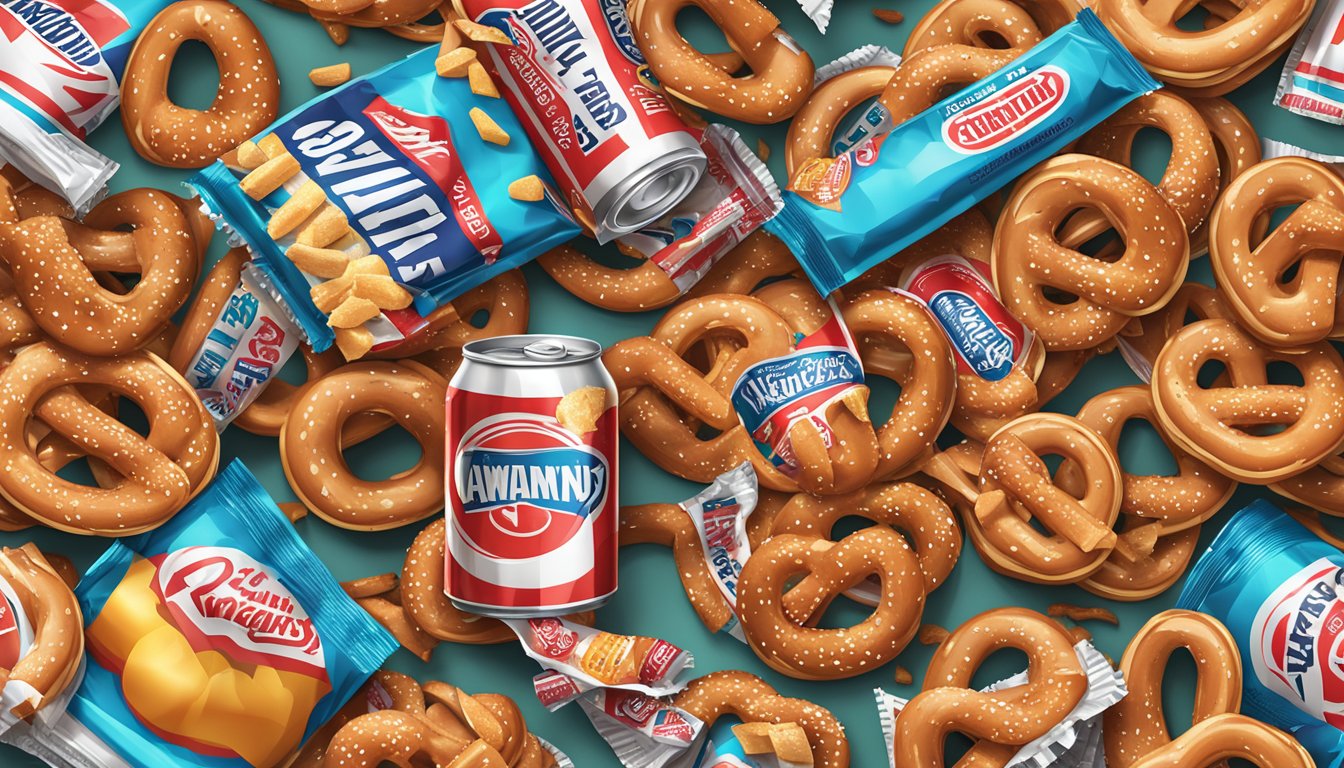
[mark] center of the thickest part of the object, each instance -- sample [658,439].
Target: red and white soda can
[532,492]
[580,85]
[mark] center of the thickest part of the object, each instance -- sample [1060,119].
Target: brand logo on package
[527,486]
[77,40]
[1007,113]
[987,339]
[222,599]
[618,23]
[1297,641]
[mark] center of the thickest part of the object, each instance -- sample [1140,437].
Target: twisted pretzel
[1148,334]
[49,663]
[1029,261]
[311,441]
[979,23]
[636,289]
[780,625]
[760,257]
[1217,424]
[812,130]
[752,700]
[1321,487]
[926,76]
[1211,61]
[65,298]
[1238,148]
[781,72]
[669,525]
[159,472]
[385,690]
[247,101]
[1002,720]
[1250,270]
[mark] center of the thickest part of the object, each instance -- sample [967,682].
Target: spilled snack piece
[250,156]
[482,33]
[903,676]
[578,411]
[302,204]
[481,82]
[354,343]
[488,128]
[331,75]
[888,15]
[454,63]
[1083,613]
[932,634]
[352,313]
[762,150]
[528,188]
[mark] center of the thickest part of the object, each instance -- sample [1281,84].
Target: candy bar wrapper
[60,67]
[1312,83]
[250,341]
[402,174]
[218,640]
[875,119]
[643,731]
[734,197]
[842,215]
[720,515]
[591,658]
[1271,149]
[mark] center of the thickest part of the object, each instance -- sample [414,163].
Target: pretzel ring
[1011,717]
[905,507]
[49,663]
[1224,737]
[1210,61]
[1213,423]
[928,380]
[1190,181]
[65,298]
[779,620]
[812,130]
[752,700]
[1028,260]
[635,289]
[670,526]
[310,445]
[978,23]
[781,72]
[247,101]
[760,257]
[1151,332]
[159,472]
[1250,271]
[385,689]
[1238,148]
[922,79]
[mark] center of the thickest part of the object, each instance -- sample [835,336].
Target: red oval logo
[1004,115]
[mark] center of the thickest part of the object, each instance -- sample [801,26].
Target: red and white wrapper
[720,515]
[563,646]
[1312,83]
[643,731]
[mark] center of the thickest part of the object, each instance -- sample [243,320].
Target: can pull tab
[545,350]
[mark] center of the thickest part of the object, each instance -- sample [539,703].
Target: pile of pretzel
[42,584]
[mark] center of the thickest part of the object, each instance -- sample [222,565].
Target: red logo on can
[1005,114]
[552,639]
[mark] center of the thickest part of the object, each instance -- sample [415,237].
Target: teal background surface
[651,600]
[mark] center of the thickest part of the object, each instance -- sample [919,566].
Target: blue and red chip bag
[218,639]
[1280,590]
[398,154]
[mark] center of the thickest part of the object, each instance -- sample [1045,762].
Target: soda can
[532,492]
[590,105]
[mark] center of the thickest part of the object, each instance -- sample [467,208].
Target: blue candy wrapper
[1280,590]
[845,214]
[398,154]
[218,639]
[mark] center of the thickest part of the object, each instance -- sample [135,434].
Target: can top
[532,350]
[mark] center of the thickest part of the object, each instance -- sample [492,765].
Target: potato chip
[269,176]
[271,145]
[325,228]
[381,290]
[579,410]
[294,211]
[329,295]
[250,155]
[353,312]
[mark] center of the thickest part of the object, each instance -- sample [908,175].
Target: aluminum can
[591,107]
[531,491]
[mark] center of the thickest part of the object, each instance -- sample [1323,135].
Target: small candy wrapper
[593,659]
[844,214]
[378,202]
[218,639]
[251,340]
[720,515]
[819,11]
[822,369]
[1313,77]
[734,197]
[1271,149]
[643,731]
[873,121]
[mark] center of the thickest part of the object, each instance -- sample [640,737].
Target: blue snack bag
[390,165]
[1280,590]
[218,639]
[842,215]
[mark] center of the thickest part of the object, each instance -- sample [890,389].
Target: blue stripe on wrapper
[914,179]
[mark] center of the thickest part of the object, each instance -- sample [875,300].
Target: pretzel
[421,32]
[158,472]
[781,72]
[635,289]
[65,298]
[779,616]
[922,79]
[1190,181]
[247,101]
[758,258]
[979,23]
[812,130]
[1001,720]
[752,700]
[1148,334]
[1250,270]
[311,441]
[385,689]
[1238,148]
[1029,261]
[1224,737]
[1212,61]
[927,379]
[1321,487]
[378,13]
[1214,423]
[50,663]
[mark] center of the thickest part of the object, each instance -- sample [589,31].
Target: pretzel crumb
[888,15]
[331,75]
[762,150]
[294,510]
[903,676]
[1079,634]
[482,33]
[1083,613]
[338,32]
[529,189]
[480,81]
[488,128]
[932,634]
[454,63]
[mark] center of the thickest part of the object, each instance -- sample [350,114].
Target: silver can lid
[532,349]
